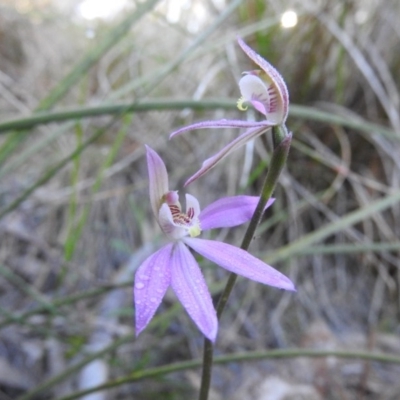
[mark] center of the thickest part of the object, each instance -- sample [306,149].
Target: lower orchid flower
[174,265]
[266,91]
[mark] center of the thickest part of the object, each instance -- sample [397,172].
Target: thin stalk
[88,357]
[61,302]
[282,139]
[238,357]
[302,112]
[50,173]
[28,290]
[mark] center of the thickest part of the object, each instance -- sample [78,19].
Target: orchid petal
[264,98]
[254,90]
[151,282]
[158,179]
[240,141]
[273,74]
[239,262]
[167,224]
[223,123]
[229,211]
[188,283]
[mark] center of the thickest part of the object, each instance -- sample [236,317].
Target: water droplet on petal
[139,285]
[153,299]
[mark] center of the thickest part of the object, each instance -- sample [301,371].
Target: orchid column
[266,91]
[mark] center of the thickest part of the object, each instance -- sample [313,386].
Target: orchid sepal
[270,84]
[225,151]
[158,179]
[222,123]
[239,262]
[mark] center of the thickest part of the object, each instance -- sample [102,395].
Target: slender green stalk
[76,228]
[112,109]
[347,248]
[96,52]
[238,357]
[302,112]
[282,139]
[26,153]
[149,83]
[362,213]
[278,161]
[90,356]
[42,309]
[49,174]
[28,290]
[73,201]
[76,367]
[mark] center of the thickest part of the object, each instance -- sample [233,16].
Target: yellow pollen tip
[194,230]
[240,104]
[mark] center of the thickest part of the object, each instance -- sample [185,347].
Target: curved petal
[151,282]
[229,211]
[222,123]
[272,73]
[229,148]
[188,283]
[240,262]
[158,179]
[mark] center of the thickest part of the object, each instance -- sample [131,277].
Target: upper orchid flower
[174,265]
[266,90]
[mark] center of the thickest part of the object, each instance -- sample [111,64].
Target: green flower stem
[62,302]
[238,357]
[282,139]
[47,175]
[46,117]
[87,357]
[302,112]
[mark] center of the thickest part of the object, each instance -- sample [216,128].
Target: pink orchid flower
[266,91]
[174,265]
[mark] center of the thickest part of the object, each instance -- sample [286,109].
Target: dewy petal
[223,123]
[158,179]
[273,74]
[240,262]
[229,211]
[151,282]
[229,148]
[188,283]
